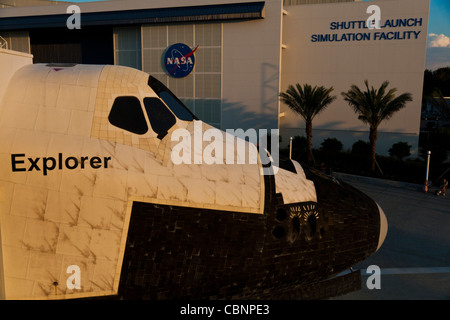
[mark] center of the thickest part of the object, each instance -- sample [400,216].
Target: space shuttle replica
[92,204]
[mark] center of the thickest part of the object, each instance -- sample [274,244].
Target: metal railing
[3,43]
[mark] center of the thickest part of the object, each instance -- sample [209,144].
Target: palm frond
[375,105]
[306,100]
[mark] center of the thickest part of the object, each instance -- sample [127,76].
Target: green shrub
[400,150]
[332,145]
[361,147]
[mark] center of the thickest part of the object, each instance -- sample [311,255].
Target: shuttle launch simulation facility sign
[344,44]
[178,60]
[402,30]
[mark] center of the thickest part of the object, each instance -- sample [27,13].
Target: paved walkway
[415,258]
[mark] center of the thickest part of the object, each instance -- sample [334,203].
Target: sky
[438,46]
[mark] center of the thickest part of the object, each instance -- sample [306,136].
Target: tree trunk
[308,130]
[373,146]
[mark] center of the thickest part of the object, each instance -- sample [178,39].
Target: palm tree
[308,102]
[373,107]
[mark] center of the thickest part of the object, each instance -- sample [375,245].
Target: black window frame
[179,109]
[121,115]
[160,117]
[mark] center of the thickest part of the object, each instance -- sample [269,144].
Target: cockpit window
[161,119]
[177,107]
[126,113]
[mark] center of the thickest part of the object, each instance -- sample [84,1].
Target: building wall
[251,76]
[10,62]
[236,79]
[300,2]
[17,40]
[142,47]
[238,76]
[25,3]
[341,64]
[201,89]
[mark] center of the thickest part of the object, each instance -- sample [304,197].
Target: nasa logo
[179,60]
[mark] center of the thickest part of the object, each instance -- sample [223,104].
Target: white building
[248,52]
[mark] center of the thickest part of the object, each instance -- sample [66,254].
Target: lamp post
[428,170]
[290,148]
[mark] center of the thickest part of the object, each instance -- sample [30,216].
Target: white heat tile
[35,93]
[128,158]
[142,185]
[90,75]
[74,97]
[13,229]
[235,174]
[16,88]
[45,177]
[78,182]
[252,174]
[103,277]
[111,183]
[228,194]
[294,187]
[44,266]
[155,167]
[251,197]
[80,123]
[119,215]
[29,201]
[92,99]
[214,172]
[107,148]
[6,168]
[17,288]
[43,289]
[6,195]
[171,188]
[15,261]
[63,75]
[74,240]
[96,212]
[200,191]
[51,91]
[41,235]
[31,143]
[185,170]
[105,244]
[68,76]
[7,137]
[68,146]
[62,207]
[19,115]
[55,120]
[91,147]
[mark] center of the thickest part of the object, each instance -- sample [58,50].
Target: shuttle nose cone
[383,227]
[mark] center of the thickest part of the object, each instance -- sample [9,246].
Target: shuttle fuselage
[87,180]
